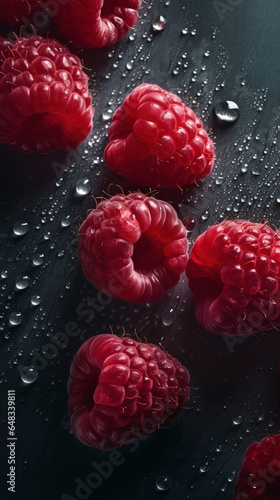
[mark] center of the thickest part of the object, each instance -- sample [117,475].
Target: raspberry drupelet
[133,247]
[45,103]
[120,389]
[234,274]
[96,23]
[259,477]
[157,141]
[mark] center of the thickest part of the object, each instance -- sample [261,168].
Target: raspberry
[12,12]
[234,274]
[155,140]
[120,390]
[96,23]
[133,247]
[259,477]
[45,103]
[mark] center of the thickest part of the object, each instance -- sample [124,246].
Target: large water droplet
[82,186]
[22,282]
[226,112]
[159,25]
[163,483]
[28,375]
[15,318]
[20,228]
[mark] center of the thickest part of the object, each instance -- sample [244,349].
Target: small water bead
[107,115]
[65,221]
[4,275]
[129,65]
[15,318]
[159,24]
[231,476]
[35,300]
[256,170]
[20,228]
[22,282]
[193,32]
[184,31]
[37,259]
[226,112]
[207,53]
[163,483]
[219,180]
[168,317]
[205,216]
[28,375]
[59,182]
[204,468]
[47,235]
[82,186]
[237,421]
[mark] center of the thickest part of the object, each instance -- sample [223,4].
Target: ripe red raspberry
[120,390]
[96,23]
[45,103]
[155,140]
[12,12]
[133,247]
[234,274]
[259,477]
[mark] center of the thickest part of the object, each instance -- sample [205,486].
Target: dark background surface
[230,51]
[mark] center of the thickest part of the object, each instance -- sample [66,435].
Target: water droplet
[159,25]
[4,275]
[59,182]
[193,32]
[184,31]
[226,112]
[28,375]
[237,421]
[261,417]
[37,259]
[129,65]
[168,317]
[205,216]
[219,180]
[204,468]
[189,223]
[163,483]
[207,53]
[15,318]
[20,228]
[22,282]
[107,115]
[256,170]
[35,300]
[66,221]
[231,476]
[82,186]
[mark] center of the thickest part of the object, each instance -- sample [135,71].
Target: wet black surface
[224,52]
